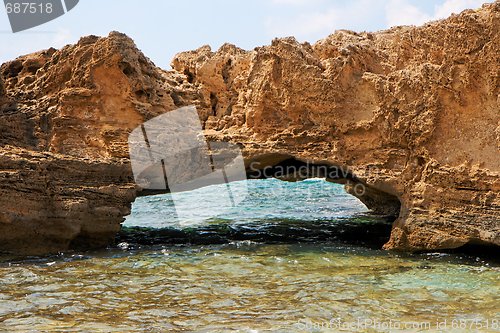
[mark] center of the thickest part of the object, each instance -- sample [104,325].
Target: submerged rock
[411,112]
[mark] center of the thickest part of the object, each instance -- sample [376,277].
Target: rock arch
[288,168]
[411,111]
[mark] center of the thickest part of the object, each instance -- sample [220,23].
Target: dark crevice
[213,103]
[13,69]
[229,109]
[486,252]
[189,76]
[225,71]
[295,170]
[126,68]
[175,98]
[32,69]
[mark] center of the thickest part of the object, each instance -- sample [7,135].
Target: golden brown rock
[412,112]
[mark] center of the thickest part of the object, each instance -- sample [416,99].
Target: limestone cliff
[412,112]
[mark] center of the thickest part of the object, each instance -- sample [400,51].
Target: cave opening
[287,200]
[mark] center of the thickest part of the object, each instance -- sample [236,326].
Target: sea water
[291,257]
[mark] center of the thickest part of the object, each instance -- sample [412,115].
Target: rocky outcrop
[412,113]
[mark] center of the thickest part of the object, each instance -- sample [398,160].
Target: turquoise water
[271,211]
[270,199]
[291,257]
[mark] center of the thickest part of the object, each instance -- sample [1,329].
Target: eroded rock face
[413,113]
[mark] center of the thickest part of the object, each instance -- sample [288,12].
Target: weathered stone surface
[412,112]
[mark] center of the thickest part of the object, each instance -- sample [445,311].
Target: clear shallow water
[312,282]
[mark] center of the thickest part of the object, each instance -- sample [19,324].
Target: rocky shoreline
[411,112]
